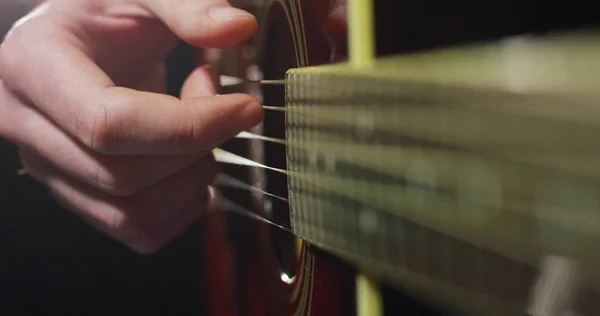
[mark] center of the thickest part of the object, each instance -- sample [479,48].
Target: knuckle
[19,48]
[188,136]
[11,62]
[117,176]
[116,222]
[98,130]
[104,180]
[108,182]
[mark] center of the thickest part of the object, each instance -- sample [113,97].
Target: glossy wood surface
[246,258]
[245,254]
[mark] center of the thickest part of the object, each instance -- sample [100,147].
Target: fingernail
[223,14]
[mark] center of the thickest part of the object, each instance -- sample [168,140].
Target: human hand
[81,94]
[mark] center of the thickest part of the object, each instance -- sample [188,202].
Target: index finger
[146,123]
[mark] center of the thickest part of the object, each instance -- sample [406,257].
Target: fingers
[120,175]
[145,221]
[208,23]
[201,82]
[144,123]
[81,100]
[131,161]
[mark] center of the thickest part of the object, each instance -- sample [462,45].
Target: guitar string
[328,116]
[240,210]
[226,157]
[478,195]
[242,161]
[232,159]
[232,207]
[224,205]
[226,181]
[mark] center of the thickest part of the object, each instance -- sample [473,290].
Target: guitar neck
[446,171]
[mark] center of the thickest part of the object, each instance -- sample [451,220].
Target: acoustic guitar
[415,159]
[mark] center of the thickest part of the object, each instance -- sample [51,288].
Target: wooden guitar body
[254,268]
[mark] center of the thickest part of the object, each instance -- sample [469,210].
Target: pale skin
[82,94]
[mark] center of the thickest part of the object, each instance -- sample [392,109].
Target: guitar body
[253,268]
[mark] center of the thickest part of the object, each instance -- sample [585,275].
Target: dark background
[52,263]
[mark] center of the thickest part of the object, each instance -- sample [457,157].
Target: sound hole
[279,56]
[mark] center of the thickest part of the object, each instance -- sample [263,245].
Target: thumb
[204,23]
